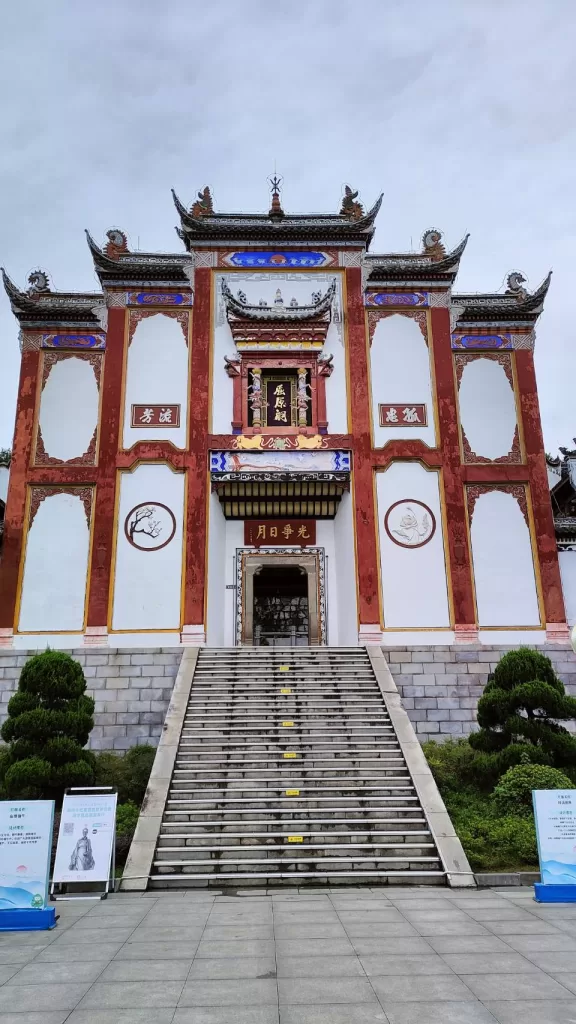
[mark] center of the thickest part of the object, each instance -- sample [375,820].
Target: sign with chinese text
[25,845]
[555,815]
[85,839]
[280,531]
[279,401]
[403,415]
[155,416]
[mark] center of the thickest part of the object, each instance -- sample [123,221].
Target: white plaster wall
[56,567]
[400,372]
[325,538]
[234,540]
[157,374]
[147,584]
[346,576]
[414,584]
[4,475]
[263,285]
[503,564]
[69,408]
[215,625]
[567,560]
[487,408]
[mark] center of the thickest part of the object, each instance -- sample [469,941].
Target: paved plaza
[353,956]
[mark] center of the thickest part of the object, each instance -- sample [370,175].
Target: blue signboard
[555,816]
[278,258]
[25,845]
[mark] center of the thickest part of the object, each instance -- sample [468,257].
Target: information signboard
[86,838]
[25,846]
[555,815]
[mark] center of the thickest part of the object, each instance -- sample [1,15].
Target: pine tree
[49,721]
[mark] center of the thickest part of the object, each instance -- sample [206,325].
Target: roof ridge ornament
[514,286]
[117,243]
[351,209]
[39,283]
[276,206]
[203,205]
[432,244]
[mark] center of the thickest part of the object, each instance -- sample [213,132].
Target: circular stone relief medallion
[150,526]
[410,523]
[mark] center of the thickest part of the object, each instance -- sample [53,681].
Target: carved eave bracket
[279,325]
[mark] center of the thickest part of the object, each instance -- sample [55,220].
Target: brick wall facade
[440,686]
[131,687]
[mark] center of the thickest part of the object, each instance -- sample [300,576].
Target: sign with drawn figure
[25,845]
[85,839]
[555,815]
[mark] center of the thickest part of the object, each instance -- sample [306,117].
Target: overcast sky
[461,111]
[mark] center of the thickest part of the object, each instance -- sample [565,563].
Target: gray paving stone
[537,1012]
[50,974]
[501,914]
[342,1013]
[131,995]
[367,929]
[146,970]
[314,947]
[237,992]
[488,963]
[526,927]
[233,967]
[466,927]
[223,933]
[386,916]
[324,915]
[323,966]
[7,971]
[516,986]
[15,998]
[382,947]
[325,990]
[468,944]
[84,951]
[568,980]
[221,1015]
[553,963]
[402,963]
[235,947]
[157,951]
[556,942]
[55,1017]
[440,1013]
[155,1016]
[420,988]
[74,937]
[312,930]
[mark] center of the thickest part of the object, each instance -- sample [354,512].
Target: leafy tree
[520,710]
[513,794]
[49,721]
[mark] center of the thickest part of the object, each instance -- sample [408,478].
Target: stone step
[278,851]
[227,838]
[395,863]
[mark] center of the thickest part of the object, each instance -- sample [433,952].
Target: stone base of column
[96,636]
[369,634]
[466,633]
[6,637]
[193,636]
[557,633]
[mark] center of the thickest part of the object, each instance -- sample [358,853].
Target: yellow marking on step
[289,753]
[287,725]
[283,668]
[292,792]
[286,690]
[295,839]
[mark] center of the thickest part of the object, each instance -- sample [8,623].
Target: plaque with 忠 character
[280,532]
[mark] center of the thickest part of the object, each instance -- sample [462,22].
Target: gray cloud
[463,113]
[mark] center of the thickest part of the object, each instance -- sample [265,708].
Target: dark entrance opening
[281,607]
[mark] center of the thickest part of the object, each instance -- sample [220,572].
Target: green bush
[128,773]
[49,721]
[126,821]
[520,710]
[513,794]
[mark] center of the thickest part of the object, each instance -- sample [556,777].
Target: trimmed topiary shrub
[519,713]
[513,794]
[49,721]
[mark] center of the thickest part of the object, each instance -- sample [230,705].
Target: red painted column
[459,553]
[540,492]
[105,497]
[16,501]
[193,630]
[366,546]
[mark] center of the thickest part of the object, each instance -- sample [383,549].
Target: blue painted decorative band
[481,341]
[73,341]
[282,258]
[158,299]
[396,299]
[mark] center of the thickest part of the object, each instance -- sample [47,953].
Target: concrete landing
[352,956]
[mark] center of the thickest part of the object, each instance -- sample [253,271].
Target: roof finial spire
[275,207]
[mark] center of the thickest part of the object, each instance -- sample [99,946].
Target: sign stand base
[25,920]
[554,893]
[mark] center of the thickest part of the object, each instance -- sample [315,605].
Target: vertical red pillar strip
[16,502]
[196,518]
[458,548]
[237,403]
[366,547]
[320,392]
[539,489]
[111,417]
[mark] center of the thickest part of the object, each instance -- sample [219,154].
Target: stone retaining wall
[440,686]
[131,686]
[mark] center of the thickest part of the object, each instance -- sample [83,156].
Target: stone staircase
[288,771]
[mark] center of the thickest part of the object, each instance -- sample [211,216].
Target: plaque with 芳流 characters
[155,416]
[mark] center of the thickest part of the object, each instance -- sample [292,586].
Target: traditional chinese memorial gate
[275,437]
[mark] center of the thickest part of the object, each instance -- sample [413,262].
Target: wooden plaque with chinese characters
[155,416]
[280,531]
[403,415]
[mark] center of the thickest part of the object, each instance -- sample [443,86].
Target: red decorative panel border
[504,358]
[136,315]
[49,360]
[513,457]
[38,495]
[374,315]
[41,457]
[517,491]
